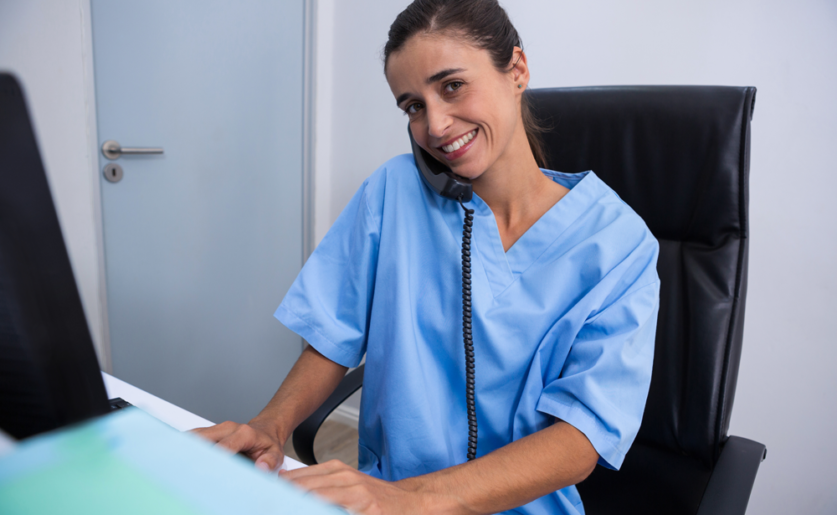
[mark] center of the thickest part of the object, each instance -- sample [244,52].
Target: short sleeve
[329,302]
[603,386]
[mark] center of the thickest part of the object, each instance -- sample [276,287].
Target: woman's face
[463,110]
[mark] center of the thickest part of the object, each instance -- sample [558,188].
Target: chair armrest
[728,491]
[304,434]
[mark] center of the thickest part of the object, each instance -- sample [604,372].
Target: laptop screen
[49,376]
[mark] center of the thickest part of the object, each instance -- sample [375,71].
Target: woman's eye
[453,86]
[413,108]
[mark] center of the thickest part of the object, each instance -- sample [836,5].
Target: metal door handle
[112,149]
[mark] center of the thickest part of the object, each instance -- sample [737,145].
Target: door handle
[112,150]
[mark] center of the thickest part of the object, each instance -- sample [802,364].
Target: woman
[564,300]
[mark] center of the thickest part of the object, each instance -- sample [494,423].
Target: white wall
[786,389]
[352,100]
[47,44]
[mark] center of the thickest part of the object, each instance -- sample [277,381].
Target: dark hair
[482,22]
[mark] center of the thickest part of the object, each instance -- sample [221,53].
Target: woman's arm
[520,472]
[309,383]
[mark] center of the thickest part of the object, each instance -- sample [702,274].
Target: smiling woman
[562,307]
[463,90]
[486,26]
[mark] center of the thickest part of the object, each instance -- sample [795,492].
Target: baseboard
[346,415]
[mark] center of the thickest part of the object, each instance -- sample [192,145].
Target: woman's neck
[516,190]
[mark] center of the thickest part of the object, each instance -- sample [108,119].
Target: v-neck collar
[503,268]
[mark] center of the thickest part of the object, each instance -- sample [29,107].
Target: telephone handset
[438,176]
[449,185]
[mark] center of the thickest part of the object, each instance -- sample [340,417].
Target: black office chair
[679,156]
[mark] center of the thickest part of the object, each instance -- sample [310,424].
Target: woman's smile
[457,147]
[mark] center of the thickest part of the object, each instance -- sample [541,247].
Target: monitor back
[49,375]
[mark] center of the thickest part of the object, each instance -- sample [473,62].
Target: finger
[244,438]
[270,461]
[342,478]
[315,470]
[216,432]
[354,498]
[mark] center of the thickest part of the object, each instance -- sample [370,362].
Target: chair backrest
[679,156]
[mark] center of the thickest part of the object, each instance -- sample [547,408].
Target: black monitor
[49,376]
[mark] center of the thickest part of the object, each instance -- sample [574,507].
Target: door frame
[100,334]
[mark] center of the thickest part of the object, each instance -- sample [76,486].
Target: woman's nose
[438,122]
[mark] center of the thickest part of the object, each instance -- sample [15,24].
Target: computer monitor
[49,375]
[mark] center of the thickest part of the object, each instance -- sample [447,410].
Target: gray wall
[47,44]
[786,389]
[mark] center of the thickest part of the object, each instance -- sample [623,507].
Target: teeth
[456,145]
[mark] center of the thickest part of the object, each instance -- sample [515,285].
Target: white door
[202,241]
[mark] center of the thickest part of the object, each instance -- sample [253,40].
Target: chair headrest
[678,155]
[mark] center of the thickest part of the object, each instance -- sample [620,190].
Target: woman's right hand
[255,440]
[263,438]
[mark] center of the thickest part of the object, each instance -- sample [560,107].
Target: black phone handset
[449,185]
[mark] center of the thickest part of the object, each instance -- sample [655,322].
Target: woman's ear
[520,69]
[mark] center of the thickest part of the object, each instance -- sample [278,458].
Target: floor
[334,441]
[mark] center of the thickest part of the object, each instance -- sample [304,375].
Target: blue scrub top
[563,322]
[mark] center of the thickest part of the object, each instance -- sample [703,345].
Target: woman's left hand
[354,490]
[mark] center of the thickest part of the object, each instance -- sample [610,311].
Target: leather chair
[679,156]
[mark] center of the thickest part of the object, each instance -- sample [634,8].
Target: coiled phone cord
[466,331]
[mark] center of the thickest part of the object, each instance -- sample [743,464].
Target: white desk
[164,411]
